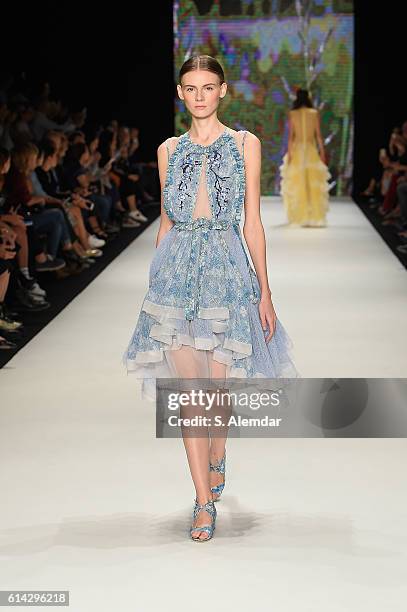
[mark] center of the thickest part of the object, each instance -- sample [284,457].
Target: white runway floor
[93,503]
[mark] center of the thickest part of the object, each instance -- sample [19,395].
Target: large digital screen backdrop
[268,48]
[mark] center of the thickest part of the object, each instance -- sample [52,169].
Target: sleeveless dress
[304,183]
[199,317]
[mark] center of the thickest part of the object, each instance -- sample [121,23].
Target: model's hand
[268,316]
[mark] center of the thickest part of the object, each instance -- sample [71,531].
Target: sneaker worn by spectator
[129,222]
[32,286]
[137,215]
[27,302]
[50,264]
[37,299]
[96,242]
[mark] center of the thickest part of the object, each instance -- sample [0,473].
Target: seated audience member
[41,123]
[148,170]
[130,189]
[20,196]
[20,131]
[77,179]
[71,203]
[30,292]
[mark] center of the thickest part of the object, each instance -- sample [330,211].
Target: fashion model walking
[207,314]
[304,174]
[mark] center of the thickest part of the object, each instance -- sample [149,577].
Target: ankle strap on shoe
[220,467]
[209,507]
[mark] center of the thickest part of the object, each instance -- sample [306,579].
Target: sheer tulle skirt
[225,341]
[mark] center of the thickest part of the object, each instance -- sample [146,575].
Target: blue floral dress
[199,317]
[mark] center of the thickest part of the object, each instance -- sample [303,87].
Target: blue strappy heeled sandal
[209,529]
[221,468]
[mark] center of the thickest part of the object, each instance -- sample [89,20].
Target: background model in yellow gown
[304,174]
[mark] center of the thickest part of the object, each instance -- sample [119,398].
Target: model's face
[201,92]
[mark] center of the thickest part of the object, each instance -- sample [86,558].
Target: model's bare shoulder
[163,146]
[252,140]
[168,145]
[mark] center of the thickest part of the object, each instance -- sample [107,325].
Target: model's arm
[320,140]
[165,222]
[253,230]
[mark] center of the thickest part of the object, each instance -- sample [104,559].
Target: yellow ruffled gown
[304,183]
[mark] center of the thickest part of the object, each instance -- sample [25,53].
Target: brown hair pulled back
[202,62]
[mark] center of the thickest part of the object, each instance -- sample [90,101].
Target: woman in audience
[100,176]
[71,206]
[41,122]
[7,254]
[20,131]
[59,190]
[48,221]
[30,290]
[109,153]
[148,170]
[77,179]
[398,167]
[130,188]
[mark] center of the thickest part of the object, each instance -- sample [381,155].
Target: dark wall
[380,83]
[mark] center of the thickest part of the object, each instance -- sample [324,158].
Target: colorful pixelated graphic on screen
[269,48]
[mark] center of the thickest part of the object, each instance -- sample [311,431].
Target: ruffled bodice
[202,256]
[225,179]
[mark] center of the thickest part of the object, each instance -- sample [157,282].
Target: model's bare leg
[188,362]
[223,409]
